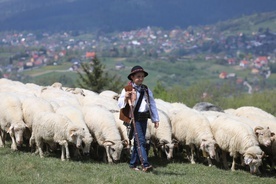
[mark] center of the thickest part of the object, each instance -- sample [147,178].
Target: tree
[94,78]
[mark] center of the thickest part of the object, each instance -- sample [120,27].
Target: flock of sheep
[55,117]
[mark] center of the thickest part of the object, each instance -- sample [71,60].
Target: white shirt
[143,107]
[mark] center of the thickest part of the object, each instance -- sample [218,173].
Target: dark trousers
[141,128]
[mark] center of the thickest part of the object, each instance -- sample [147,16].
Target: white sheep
[123,130]
[263,133]
[162,136]
[266,120]
[62,98]
[109,94]
[76,116]
[49,127]
[103,101]
[193,129]
[31,106]
[163,105]
[236,138]
[11,119]
[101,123]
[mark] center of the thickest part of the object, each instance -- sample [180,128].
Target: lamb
[162,136]
[11,120]
[236,138]
[193,129]
[50,127]
[76,116]
[101,123]
[31,106]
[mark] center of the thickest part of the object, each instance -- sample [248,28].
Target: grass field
[24,167]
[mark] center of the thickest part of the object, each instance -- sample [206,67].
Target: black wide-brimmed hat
[136,69]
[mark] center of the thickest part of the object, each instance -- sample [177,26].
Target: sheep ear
[10,129]
[125,142]
[247,161]
[72,133]
[108,143]
[202,145]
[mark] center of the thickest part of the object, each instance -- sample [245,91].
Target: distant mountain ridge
[118,15]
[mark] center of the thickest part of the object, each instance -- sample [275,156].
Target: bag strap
[139,102]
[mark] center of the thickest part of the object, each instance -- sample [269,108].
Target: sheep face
[209,147]
[264,136]
[253,158]
[87,144]
[253,162]
[17,131]
[77,137]
[168,149]
[114,150]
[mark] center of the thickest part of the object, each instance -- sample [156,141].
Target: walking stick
[135,132]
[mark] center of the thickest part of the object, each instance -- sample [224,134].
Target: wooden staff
[135,131]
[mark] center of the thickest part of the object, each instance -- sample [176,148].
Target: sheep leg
[108,154]
[40,147]
[67,151]
[209,161]
[2,143]
[62,152]
[13,145]
[224,160]
[233,164]
[242,161]
[192,153]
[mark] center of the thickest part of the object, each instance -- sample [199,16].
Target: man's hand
[156,124]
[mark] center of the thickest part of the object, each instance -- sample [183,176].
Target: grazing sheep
[11,120]
[101,123]
[76,116]
[236,138]
[193,129]
[123,130]
[262,133]
[49,127]
[266,120]
[162,136]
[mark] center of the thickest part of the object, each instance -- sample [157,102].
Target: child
[138,96]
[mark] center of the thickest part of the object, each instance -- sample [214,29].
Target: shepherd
[137,105]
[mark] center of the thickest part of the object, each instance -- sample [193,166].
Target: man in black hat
[140,97]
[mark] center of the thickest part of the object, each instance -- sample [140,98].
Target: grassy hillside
[248,24]
[24,167]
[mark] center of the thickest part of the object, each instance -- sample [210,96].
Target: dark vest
[125,112]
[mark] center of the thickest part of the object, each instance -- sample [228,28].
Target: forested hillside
[114,15]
